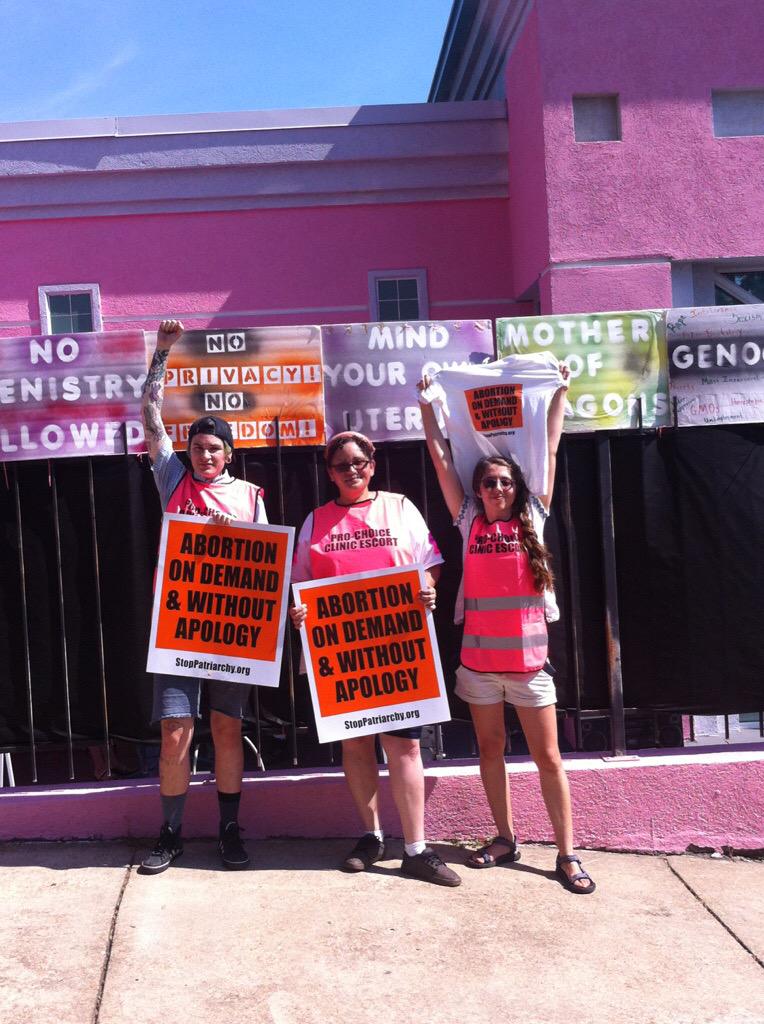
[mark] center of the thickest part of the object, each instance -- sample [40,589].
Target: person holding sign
[363,530]
[504,647]
[206,490]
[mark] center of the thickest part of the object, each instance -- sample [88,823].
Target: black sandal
[483,859]
[569,881]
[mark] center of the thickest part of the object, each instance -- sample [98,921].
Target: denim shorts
[180,697]
[523,689]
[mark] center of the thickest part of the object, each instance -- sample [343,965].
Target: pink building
[571,157]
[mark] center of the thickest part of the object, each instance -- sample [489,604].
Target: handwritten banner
[371,654]
[716,364]
[617,362]
[71,394]
[249,376]
[371,371]
[220,602]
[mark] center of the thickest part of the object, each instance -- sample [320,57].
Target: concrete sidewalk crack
[713,914]
[110,941]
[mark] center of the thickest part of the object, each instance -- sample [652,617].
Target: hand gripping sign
[220,600]
[371,653]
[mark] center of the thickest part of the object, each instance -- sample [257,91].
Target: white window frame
[46,290]
[418,273]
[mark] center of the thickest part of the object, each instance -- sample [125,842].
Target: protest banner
[371,653]
[371,371]
[220,601]
[616,360]
[64,395]
[716,364]
[249,376]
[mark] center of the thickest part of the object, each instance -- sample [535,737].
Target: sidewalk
[670,940]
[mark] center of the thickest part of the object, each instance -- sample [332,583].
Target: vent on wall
[596,118]
[738,113]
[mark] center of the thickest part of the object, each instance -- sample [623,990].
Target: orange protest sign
[371,653]
[220,606]
[495,407]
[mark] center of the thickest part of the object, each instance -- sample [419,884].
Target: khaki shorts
[523,689]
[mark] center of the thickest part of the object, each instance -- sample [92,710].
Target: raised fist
[168,332]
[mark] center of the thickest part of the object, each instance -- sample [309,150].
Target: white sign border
[432,710]
[163,661]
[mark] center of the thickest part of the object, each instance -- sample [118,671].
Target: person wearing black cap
[207,490]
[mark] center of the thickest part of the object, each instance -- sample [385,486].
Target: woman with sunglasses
[504,647]
[359,531]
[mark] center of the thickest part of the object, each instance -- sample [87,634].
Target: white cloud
[84,83]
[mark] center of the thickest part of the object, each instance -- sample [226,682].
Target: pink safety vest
[236,497]
[355,538]
[504,624]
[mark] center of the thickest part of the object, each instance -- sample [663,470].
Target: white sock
[377,833]
[412,849]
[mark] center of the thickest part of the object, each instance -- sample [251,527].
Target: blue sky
[84,58]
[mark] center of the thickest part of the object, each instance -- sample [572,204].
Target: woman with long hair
[504,647]
[359,531]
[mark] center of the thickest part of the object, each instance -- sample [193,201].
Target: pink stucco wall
[624,286]
[297,265]
[648,804]
[669,187]
[527,174]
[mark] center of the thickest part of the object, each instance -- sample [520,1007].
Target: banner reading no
[219,604]
[371,654]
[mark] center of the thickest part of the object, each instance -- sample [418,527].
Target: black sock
[229,808]
[172,808]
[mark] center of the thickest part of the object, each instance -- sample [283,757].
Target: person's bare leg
[174,770]
[229,752]
[540,729]
[488,720]
[359,762]
[404,760]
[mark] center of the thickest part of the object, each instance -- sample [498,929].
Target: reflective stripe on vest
[504,624]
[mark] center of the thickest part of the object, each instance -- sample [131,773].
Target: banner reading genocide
[716,364]
[616,360]
[71,394]
[220,600]
[249,376]
[371,654]
[371,371]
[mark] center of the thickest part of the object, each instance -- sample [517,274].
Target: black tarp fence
[688,545]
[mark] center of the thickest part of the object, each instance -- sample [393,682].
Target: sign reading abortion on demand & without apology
[617,361]
[371,653]
[371,371]
[64,395]
[716,364]
[248,376]
[220,601]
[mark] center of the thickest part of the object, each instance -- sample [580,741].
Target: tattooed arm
[168,333]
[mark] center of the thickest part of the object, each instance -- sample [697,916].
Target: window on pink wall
[398,295]
[738,112]
[69,308]
[597,118]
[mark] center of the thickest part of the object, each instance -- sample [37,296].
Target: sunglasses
[345,467]
[492,482]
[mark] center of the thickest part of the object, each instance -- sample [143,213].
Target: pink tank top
[235,497]
[355,538]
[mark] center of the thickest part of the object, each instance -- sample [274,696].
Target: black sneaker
[168,848]
[367,851]
[428,867]
[231,848]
